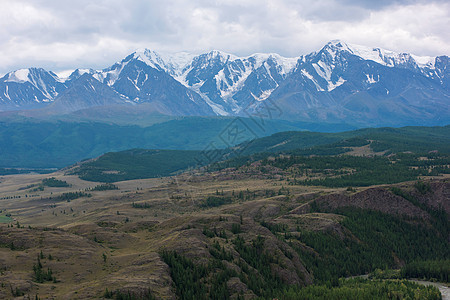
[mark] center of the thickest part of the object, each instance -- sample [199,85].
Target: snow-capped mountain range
[339,83]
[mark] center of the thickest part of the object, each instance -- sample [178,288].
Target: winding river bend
[445,290]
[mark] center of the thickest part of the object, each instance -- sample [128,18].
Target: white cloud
[418,28]
[60,35]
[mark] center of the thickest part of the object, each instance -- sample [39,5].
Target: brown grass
[131,238]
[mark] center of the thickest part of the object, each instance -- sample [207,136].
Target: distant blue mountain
[85,92]
[340,83]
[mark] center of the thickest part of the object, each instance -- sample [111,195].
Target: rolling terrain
[275,224]
[366,150]
[121,241]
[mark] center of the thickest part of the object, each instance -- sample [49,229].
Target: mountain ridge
[340,82]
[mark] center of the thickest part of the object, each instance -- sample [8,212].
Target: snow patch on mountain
[6,93]
[227,90]
[264,95]
[332,86]
[324,70]
[223,56]
[84,71]
[63,76]
[19,76]
[371,80]
[110,75]
[176,62]
[218,109]
[235,76]
[151,58]
[424,61]
[382,56]
[172,63]
[310,77]
[286,64]
[134,82]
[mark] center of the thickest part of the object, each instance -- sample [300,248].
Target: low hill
[412,138]
[377,144]
[137,164]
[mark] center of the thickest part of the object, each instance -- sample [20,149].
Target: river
[445,291]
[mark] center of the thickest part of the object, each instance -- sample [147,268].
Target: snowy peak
[364,84]
[112,74]
[229,83]
[177,62]
[255,60]
[211,60]
[172,63]
[382,56]
[32,75]
[323,70]
[80,72]
[285,64]
[33,85]
[216,55]
[328,68]
[220,83]
[151,58]
[19,76]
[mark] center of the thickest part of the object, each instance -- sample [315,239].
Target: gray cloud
[58,35]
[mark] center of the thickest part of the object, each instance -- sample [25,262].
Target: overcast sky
[66,34]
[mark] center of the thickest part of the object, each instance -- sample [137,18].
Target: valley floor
[98,243]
